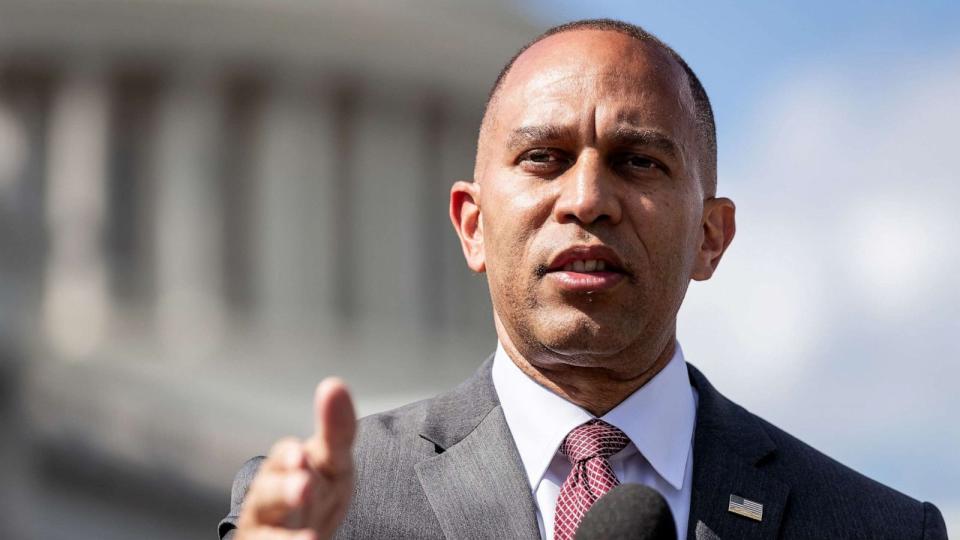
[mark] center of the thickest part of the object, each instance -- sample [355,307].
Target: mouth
[586,269]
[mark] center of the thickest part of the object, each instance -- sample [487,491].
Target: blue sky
[836,310]
[739,49]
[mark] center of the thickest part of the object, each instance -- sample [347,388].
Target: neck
[596,389]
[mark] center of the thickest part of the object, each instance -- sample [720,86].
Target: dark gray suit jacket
[447,467]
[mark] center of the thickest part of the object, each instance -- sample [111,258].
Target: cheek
[526,201]
[511,222]
[507,244]
[667,227]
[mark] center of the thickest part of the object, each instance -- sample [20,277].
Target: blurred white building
[206,207]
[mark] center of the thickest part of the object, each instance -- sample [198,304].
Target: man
[592,207]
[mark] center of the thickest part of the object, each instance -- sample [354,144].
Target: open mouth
[586,269]
[586,265]
[586,259]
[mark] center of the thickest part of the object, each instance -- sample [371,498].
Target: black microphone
[628,512]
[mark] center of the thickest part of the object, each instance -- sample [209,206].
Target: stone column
[190,307]
[296,249]
[77,304]
[386,214]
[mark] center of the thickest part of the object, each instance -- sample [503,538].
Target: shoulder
[810,470]
[394,422]
[396,440]
[238,492]
[431,424]
[392,435]
[391,445]
[838,498]
[388,501]
[824,494]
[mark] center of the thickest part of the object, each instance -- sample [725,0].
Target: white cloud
[842,285]
[897,253]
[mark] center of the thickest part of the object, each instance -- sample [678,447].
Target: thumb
[335,425]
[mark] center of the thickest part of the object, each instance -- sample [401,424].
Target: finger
[326,497]
[335,424]
[275,496]
[330,521]
[287,454]
[276,533]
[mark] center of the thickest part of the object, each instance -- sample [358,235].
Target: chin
[583,339]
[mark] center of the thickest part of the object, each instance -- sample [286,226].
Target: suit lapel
[729,448]
[477,488]
[476,485]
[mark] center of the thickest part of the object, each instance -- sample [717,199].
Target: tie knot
[596,438]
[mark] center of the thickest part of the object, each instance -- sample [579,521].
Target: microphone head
[628,512]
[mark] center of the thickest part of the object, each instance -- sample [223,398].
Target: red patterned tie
[588,446]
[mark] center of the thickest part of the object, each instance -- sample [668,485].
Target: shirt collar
[658,417]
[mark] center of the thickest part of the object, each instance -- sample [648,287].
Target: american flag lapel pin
[745,507]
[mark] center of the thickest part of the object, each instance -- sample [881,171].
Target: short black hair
[706,124]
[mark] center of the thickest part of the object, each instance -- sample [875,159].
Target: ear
[465,215]
[719,225]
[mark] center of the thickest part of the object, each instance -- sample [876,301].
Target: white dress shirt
[658,418]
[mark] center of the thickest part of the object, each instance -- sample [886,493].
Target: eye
[540,155]
[641,162]
[637,163]
[543,160]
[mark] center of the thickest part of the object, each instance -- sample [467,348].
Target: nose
[587,193]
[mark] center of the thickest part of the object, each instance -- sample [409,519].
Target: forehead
[614,75]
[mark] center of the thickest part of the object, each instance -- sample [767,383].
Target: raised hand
[303,488]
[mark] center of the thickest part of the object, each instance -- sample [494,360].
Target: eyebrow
[627,136]
[527,135]
[621,136]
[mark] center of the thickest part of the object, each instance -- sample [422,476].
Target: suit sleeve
[241,483]
[934,527]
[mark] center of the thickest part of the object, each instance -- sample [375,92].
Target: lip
[584,282]
[583,253]
[581,282]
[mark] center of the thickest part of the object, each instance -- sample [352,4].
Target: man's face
[589,197]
